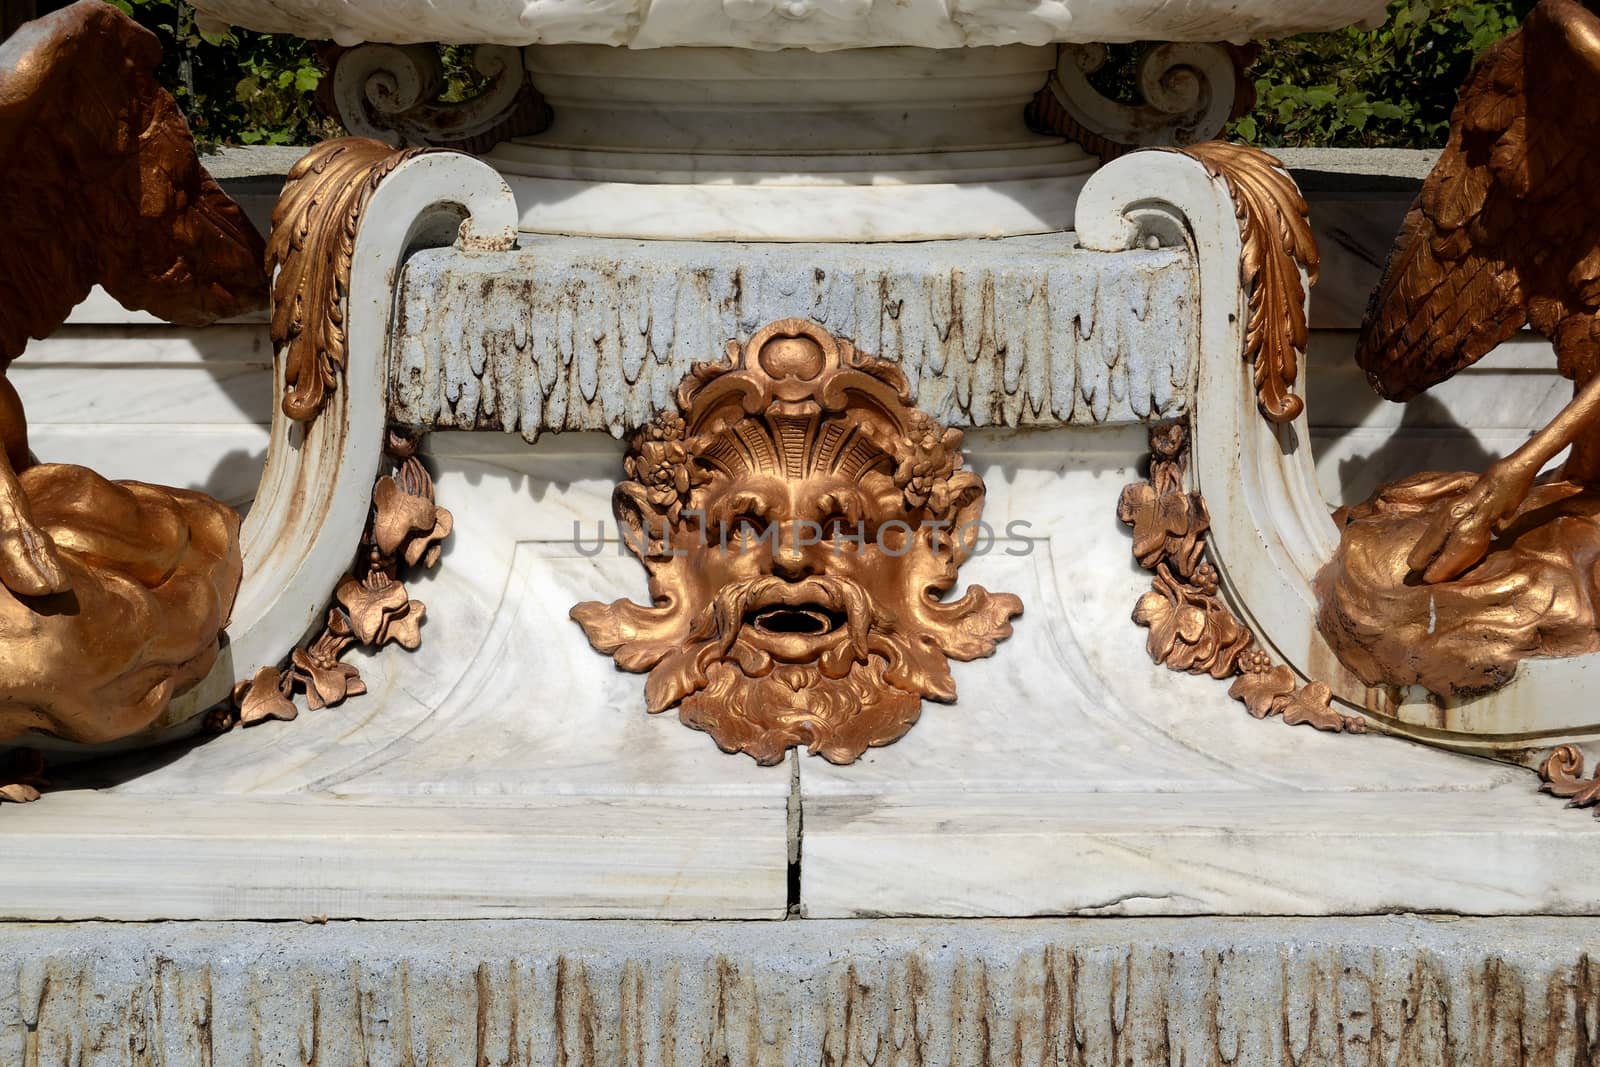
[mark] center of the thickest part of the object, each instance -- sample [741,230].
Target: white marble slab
[504,769]
[1072,776]
[1465,423]
[1075,776]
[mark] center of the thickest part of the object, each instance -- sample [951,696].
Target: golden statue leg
[29,565]
[1459,537]
[1583,463]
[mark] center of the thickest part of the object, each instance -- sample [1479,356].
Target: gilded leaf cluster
[372,609]
[1190,627]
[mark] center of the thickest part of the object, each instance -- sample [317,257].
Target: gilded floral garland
[1190,628]
[373,609]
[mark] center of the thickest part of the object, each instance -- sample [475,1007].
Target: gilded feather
[1505,232]
[99,183]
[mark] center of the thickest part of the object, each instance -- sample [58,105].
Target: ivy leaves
[1394,86]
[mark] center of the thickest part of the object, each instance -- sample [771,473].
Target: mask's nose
[791,557]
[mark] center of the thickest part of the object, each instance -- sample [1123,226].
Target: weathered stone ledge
[595,334]
[1380,990]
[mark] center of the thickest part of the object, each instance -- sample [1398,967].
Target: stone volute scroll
[339,485]
[392,93]
[800,521]
[1189,92]
[112,594]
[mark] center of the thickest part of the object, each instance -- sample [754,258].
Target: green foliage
[1393,87]
[236,87]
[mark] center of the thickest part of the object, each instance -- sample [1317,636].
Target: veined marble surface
[720,144]
[570,334]
[508,769]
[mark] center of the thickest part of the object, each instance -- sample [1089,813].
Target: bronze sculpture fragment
[112,594]
[1449,580]
[800,521]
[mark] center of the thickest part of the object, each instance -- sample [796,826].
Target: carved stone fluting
[1191,628]
[406,530]
[313,239]
[392,93]
[1279,264]
[801,523]
[1189,92]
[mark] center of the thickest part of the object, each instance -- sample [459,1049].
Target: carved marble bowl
[790,120]
[765,25]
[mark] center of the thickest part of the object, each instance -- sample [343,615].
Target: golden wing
[99,183]
[1492,241]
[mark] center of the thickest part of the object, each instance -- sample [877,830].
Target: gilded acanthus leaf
[1278,247]
[311,247]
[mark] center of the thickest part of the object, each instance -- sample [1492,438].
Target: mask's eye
[746,529]
[841,528]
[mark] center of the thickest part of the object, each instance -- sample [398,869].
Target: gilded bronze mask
[800,522]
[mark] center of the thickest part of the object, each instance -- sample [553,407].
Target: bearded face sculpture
[800,521]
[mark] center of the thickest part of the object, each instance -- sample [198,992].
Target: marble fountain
[637,183]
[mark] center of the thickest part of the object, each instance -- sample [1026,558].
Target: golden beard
[796,704]
[837,704]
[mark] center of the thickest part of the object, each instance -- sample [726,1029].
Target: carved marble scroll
[392,93]
[316,495]
[800,522]
[1271,531]
[1190,92]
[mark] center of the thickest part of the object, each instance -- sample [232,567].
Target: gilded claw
[29,565]
[1458,538]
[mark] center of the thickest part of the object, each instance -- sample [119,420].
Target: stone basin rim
[769,25]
